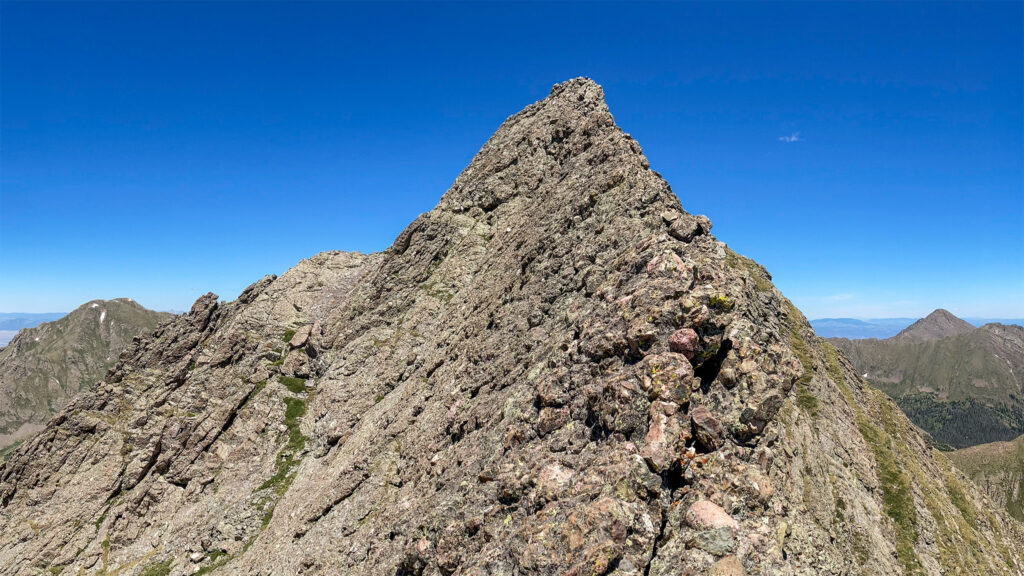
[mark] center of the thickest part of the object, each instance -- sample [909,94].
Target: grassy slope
[998,469]
[963,390]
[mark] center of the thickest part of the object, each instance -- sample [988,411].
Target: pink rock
[706,428]
[728,566]
[706,515]
[666,264]
[684,341]
[665,435]
[553,480]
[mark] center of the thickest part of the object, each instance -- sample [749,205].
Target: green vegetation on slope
[963,389]
[916,501]
[900,475]
[757,274]
[884,441]
[998,469]
[897,499]
[157,569]
[804,398]
[289,457]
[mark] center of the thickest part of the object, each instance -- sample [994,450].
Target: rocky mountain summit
[940,323]
[44,366]
[557,370]
[963,385]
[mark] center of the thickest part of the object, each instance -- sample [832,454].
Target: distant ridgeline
[18,320]
[856,328]
[959,383]
[45,365]
[11,322]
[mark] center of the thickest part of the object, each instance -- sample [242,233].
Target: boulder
[706,515]
[667,377]
[666,436]
[685,342]
[706,428]
[301,337]
[296,364]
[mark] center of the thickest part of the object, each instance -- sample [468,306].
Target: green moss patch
[722,303]
[806,401]
[217,559]
[157,569]
[897,499]
[437,291]
[959,499]
[294,385]
[287,459]
[257,389]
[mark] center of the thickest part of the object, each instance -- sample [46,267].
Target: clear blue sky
[161,150]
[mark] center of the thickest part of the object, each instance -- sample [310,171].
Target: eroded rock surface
[500,392]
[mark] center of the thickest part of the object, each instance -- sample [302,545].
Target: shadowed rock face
[500,392]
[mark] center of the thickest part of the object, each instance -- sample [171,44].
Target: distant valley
[959,383]
[11,322]
[856,328]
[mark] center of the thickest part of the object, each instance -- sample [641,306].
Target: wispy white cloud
[839,297]
[795,137]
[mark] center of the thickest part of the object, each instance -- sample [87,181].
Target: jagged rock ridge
[555,371]
[44,366]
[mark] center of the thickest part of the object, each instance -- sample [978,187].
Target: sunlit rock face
[505,390]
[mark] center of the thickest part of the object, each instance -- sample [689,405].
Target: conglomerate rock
[500,392]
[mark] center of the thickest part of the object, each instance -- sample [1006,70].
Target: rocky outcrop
[44,366]
[505,390]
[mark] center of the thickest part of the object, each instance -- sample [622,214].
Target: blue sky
[159,150]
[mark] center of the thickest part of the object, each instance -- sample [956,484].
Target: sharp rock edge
[555,371]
